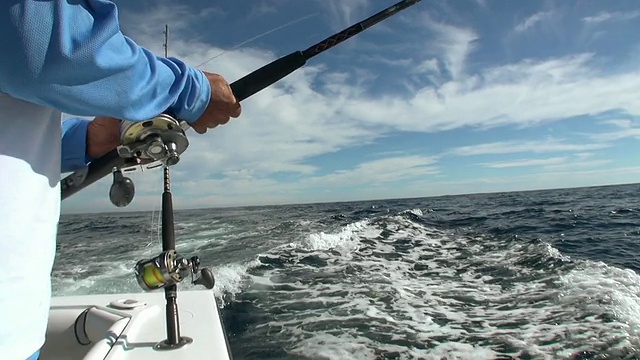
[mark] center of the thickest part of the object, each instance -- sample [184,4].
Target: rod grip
[267,75]
[98,169]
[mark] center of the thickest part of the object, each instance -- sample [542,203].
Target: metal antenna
[166,40]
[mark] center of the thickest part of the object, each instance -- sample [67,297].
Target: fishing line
[152,227]
[259,36]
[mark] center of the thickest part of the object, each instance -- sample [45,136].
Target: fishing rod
[161,140]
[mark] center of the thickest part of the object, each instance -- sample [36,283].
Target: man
[70,56]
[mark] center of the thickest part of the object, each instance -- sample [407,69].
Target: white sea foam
[230,280]
[347,237]
[416,212]
[116,278]
[467,296]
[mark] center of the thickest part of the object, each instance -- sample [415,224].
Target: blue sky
[444,98]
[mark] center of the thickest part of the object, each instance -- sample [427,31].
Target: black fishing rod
[242,89]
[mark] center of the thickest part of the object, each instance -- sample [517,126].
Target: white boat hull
[129,326]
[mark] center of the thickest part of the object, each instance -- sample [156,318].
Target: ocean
[525,275]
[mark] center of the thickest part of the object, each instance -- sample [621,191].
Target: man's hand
[103,135]
[222,107]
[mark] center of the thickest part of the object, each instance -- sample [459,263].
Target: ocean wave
[394,287]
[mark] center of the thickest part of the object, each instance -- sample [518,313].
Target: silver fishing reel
[148,144]
[170,268]
[155,142]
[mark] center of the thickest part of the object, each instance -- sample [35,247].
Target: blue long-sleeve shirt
[72,56]
[74,144]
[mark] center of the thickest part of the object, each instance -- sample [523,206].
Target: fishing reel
[155,142]
[170,268]
[148,144]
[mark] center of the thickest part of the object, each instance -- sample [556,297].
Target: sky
[444,98]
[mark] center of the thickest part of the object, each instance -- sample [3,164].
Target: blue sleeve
[74,144]
[71,55]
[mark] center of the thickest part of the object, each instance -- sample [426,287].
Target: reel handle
[206,279]
[122,189]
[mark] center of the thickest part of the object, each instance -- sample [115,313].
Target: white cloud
[525,93]
[481,3]
[616,135]
[238,187]
[380,171]
[611,16]
[525,162]
[452,44]
[344,10]
[514,146]
[583,155]
[578,163]
[393,61]
[625,128]
[261,8]
[620,123]
[536,181]
[533,20]
[428,66]
[179,17]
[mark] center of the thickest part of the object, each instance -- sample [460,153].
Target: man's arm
[72,56]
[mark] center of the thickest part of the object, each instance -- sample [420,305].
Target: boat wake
[394,287]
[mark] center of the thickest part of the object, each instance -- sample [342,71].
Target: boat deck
[129,326]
